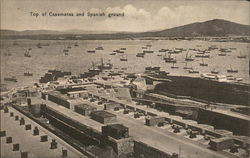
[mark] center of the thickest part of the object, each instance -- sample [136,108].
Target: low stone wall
[142,150]
[121,146]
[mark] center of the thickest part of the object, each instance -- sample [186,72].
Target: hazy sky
[140,15]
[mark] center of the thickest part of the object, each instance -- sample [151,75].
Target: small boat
[214,71]
[91,51]
[176,51]
[148,45]
[76,45]
[12,79]
[169,59]
[148,51]
[140,55]
[225,50]
[241,56]
[188,58]
[119,51]
[27,54]
[123,49]
[202,52]
[192,71]
[112,53]
[203,64]
[99,48]
[39,45]
[222,54]
[123,58]
[186,67]
[105,66]
[202,55]
[162,50]
[66,51]
[174,67]
[94,69]
[28,74]
[231,70]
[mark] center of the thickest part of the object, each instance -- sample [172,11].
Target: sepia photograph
[124,79]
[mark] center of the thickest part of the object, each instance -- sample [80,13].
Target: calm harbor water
[78,60]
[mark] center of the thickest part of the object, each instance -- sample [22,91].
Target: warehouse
[57,98]
[103,116]
[221,143]
[117,131]
[84,109]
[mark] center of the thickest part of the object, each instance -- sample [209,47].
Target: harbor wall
[210,91]
[222,121]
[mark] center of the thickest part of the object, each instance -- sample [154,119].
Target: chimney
[6,110]
[44,138]
[16,147]
[29,103]
[2,133]
[64,153]
[8,140]
[53,144]
[28,127]
[22,121]
[36,131]
[16,118]
[24,154]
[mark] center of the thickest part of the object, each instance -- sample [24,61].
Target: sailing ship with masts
[124,57]
[203,63]
[11,79]
[215,71]
[27,53]
[241,56]
[148,51]
[174,67]
[231,70]
[186,66]
[39,45]
[188,57]
[193,71]
[169,59]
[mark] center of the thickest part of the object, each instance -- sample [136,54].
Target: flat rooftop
[85,106]
[70,113]
[28,142]
[103,113]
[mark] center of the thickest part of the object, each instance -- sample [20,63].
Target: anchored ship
[11,79]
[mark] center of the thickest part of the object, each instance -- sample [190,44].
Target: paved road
[167,142]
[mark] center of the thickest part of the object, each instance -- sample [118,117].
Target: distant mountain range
[49,32]
[216,27]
